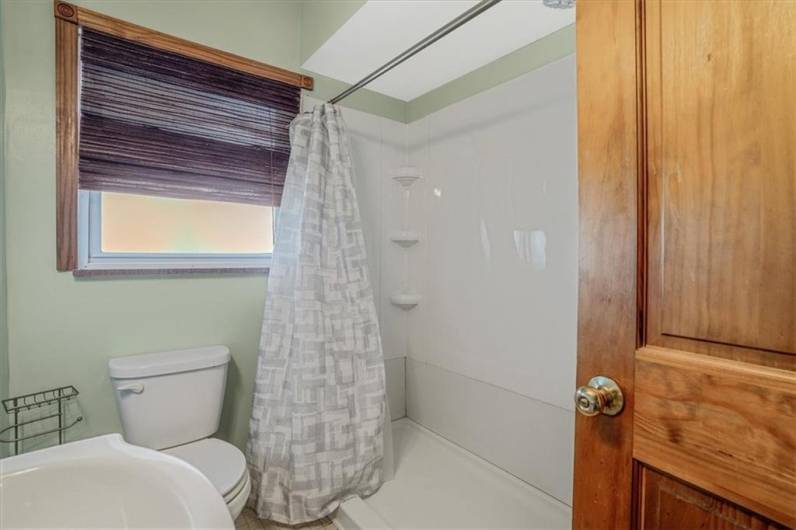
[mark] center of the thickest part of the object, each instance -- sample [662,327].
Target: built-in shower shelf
[405,238]
[405,301]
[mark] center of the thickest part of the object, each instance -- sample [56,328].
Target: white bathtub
[104,482]
[438,484]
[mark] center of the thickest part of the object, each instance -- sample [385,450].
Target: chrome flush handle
[600,396]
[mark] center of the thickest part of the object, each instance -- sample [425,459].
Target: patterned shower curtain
[316,430]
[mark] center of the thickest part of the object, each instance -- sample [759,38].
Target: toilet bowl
[172,401]
[223,464]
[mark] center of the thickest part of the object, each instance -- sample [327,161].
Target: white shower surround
[492,348]
[490,352]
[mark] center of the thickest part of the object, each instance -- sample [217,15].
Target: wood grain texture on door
[668,504]
[608,174]
[715,386]
[721,82]
[726,426]
[687,173]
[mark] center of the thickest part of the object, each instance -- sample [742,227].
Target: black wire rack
[56,397]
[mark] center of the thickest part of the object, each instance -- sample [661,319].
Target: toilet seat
[221,462]
[239,487]
[237,499]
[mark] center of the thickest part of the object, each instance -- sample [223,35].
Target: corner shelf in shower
[405,301]
[406,175]
[405,238]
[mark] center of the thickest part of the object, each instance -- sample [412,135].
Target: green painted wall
[535,55]
[261,30]
[320,19]
[364,99]
[63,330]
[3,319]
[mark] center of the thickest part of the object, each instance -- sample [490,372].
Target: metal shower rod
[428,41]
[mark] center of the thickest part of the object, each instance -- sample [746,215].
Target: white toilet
[171,401]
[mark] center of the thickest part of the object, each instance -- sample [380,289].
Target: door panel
[721,247]
[725,426]
[668,504]
[721,162]
[687,172]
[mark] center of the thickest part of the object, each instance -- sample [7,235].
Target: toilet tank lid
[169,362]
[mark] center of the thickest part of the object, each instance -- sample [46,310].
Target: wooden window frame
[68,19]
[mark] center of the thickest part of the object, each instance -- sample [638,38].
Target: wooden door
[687,161]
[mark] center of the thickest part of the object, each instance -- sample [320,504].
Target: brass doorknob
[600,396]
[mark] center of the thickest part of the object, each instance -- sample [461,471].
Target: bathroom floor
[248,520]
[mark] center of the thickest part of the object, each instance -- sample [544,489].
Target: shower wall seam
[485,459]
[493,385]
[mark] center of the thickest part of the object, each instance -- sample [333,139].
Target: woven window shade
[157,123]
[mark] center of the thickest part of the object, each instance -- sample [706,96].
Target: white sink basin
[104,482]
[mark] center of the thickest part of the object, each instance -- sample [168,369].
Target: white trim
[92,257]
[82,229]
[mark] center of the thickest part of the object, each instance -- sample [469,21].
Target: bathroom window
[171,155]
[122,231]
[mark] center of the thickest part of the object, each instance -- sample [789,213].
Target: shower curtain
[316,430]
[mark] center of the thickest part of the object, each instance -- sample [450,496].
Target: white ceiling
[381,29]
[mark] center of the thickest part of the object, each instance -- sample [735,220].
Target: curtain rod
[428,41]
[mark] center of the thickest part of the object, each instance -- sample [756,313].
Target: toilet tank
[170,398]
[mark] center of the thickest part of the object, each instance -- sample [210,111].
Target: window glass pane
[138,223]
